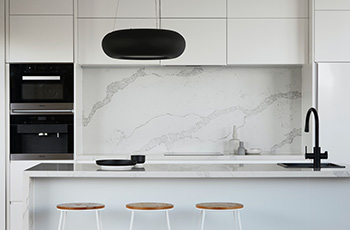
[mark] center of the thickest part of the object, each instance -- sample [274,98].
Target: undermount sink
[309,165]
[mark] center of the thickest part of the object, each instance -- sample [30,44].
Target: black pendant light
[143,44]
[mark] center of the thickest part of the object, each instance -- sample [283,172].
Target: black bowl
[139,159]
[115,162]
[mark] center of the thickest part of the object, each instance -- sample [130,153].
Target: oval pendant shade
[143,44]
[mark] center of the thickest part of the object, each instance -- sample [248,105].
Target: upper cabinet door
[37,7]
[267,41]
[91,33]
[268,8]
[332,36]
[41,39]
[332,5]
[108,8]
[205,41]
[193,8]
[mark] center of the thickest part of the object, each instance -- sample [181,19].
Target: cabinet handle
[41,78]
[42,134]
[29,111]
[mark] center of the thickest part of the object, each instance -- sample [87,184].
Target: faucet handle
[309,155]
[324,155]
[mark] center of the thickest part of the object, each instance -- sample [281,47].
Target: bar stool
[149,206]
[69,207]
[220,206]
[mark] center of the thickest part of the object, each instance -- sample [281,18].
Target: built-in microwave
[41,83]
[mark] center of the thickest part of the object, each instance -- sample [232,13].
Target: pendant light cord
[116,12]
[160,14]
[157,9]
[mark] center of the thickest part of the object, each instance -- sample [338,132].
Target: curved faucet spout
[314,111]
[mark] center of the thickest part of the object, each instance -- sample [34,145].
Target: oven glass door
[44,91]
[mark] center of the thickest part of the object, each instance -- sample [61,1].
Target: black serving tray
[115,162]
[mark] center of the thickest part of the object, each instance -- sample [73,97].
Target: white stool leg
[201,220]
[132,220]
[239,221]
[98,220]
[62,220]
[235,220]
[167,219]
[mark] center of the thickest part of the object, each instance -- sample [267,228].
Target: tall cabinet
[332,31]
[332,56]
[2,119]
[333,88]
[37,31]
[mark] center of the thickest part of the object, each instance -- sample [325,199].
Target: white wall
[2,118]
[190,109]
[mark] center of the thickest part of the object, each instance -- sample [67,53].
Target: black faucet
[316,155]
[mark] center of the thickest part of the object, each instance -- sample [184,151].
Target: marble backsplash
[154,110]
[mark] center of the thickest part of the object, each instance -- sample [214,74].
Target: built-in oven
[41,137]
[39,85]
[41,111]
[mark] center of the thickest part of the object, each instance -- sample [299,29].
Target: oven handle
[31,111]
[41,78]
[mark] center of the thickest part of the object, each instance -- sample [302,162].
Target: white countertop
[184,171]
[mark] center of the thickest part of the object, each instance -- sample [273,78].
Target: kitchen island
[274,197]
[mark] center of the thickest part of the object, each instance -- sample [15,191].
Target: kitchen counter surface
[184,171]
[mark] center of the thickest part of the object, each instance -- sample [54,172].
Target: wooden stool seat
[219,206]
[149,206]
[80,206]
[68,207]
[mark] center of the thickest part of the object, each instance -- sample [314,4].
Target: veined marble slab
[190,109]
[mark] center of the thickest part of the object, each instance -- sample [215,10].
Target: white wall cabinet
[91,33]
[205,41]
[267,41]
[193,8]
[46,7]
[108,9]
[332,5]
[277,35]
[41,39]
[261,34]
[267,8]
[332,36]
